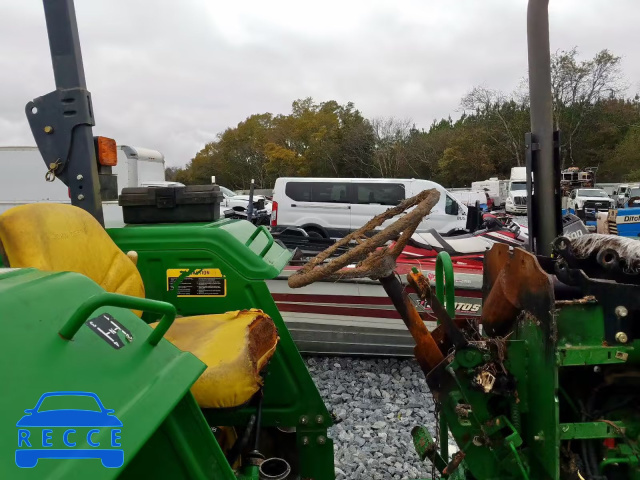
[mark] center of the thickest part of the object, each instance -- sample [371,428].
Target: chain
[50,176]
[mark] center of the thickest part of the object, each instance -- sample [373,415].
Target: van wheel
[314,232]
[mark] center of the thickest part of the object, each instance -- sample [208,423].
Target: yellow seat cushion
[58,237]
[236,346]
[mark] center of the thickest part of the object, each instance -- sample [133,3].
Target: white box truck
[22,180]
[517,196]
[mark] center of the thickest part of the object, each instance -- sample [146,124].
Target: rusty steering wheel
[373,262]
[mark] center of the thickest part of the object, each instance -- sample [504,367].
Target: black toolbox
[193,203]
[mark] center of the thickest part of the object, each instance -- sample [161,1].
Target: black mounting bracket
[53,118]
[534,210]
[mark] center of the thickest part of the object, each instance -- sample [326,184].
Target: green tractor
[168,361]
[156,350]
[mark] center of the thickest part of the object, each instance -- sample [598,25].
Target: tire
[315,232]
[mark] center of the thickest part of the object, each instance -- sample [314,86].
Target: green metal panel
[586,430]
[143,383]
[182,448]
[580,324]
[540,422]
[593,355]
[482,462]
[245,259]
[581,338]
[445,291]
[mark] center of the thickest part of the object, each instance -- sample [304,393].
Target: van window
[450,206]
[298,191]
[380,193]
[324,192]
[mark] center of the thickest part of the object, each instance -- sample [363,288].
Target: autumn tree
[327,139]
[503,120]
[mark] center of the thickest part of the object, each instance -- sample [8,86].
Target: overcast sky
[170,75]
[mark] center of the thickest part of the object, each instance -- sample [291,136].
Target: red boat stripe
[354,299]
[349,311]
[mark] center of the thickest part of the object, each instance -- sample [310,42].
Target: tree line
[600,127]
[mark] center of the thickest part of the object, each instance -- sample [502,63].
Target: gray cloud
[170,76]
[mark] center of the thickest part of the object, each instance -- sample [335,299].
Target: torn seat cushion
[236,346]
[59,237]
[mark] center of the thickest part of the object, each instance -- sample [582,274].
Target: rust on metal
[421,285]
[513,282]
[454,463]
[426,350]
[579,301]
[375,260]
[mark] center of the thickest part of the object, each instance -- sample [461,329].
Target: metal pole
[546,218]
[250,206]
[66,113]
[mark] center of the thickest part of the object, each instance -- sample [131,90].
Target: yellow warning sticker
[203,282]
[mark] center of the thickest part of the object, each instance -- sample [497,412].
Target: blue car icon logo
[88,431]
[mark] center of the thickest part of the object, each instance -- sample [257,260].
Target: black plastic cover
[193,203]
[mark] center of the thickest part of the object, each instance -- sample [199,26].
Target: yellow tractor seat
[57,237]
[236,346]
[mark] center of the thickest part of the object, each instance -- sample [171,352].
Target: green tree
[625,162]
[329,139]
[577,86]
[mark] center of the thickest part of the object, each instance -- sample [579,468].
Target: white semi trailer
[22,178]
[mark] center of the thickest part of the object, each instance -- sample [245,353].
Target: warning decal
[203,282]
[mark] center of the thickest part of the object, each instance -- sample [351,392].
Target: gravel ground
[379,401]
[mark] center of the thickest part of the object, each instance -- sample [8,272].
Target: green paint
[246,256]
[147,382]
[508,437]
[445,288]
[426,447]
[147,386]
[588,430]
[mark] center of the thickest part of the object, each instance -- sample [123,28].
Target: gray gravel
[379,401]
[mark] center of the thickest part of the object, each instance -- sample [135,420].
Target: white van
[333,207]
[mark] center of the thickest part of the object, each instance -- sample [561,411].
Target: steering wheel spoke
[372,261]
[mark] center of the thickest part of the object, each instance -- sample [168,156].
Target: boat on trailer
[356,316]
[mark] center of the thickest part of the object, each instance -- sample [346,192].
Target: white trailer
[22,179]
[497,190]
